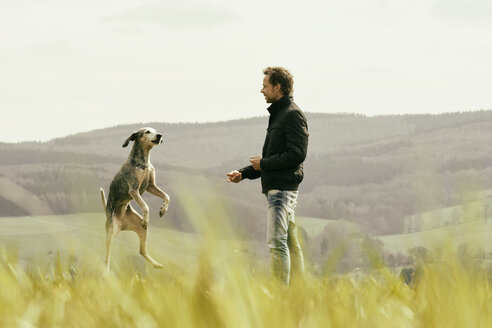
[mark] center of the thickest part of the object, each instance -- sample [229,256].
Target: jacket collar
[279,104]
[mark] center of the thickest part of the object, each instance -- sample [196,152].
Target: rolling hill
[372,171]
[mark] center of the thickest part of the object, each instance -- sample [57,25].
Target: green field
[469,223]
[476,234]
[36,239]
[84,232]
[314,226]
[470,211]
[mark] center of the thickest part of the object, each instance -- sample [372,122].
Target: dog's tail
[103,198]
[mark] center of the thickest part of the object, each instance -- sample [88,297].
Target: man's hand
[234,176]
[255,162]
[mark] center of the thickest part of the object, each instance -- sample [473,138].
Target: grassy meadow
[51,276]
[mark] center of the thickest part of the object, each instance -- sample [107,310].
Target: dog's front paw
[163,209]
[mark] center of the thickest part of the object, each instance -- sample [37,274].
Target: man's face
[271,93]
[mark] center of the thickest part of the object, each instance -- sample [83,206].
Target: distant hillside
[475,234]
[373,171]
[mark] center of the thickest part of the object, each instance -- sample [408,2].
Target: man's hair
[279,75]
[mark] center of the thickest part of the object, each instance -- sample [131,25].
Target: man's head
[278,82]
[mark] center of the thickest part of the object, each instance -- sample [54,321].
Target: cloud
[177,14]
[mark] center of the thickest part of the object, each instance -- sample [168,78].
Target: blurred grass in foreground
[227,288]
[221,293]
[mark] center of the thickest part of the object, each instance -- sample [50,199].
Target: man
[281,172]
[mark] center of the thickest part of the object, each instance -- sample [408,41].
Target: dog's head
[145,136]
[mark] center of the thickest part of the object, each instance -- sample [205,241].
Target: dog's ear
[132,137]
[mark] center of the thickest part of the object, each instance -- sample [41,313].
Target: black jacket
[284,150]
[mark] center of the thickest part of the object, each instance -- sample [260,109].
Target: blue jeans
[285,250]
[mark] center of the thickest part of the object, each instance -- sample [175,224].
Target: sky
[74,66]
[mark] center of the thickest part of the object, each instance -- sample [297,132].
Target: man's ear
[132,137]
[278,88]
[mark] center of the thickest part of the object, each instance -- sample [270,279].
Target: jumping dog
[135,176]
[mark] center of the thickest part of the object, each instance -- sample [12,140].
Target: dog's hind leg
[134,221]
[111,231]
[142,235]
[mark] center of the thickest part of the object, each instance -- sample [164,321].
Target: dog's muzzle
[158,139]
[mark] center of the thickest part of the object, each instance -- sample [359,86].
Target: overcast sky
[72,66]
